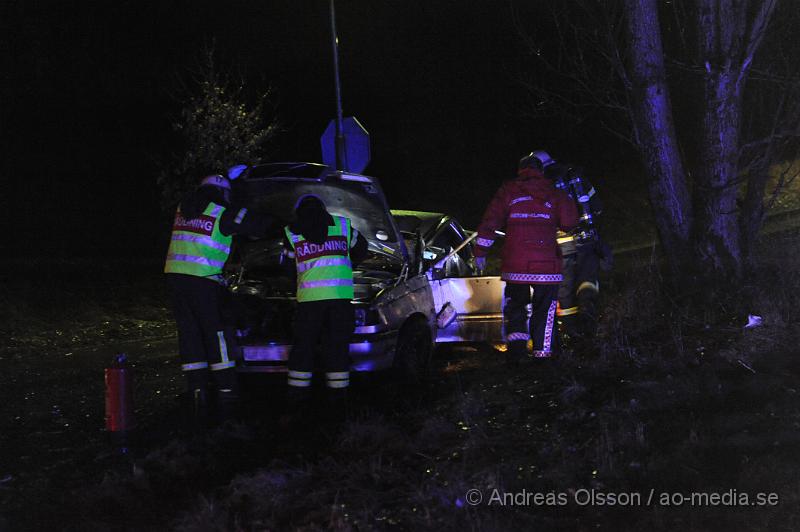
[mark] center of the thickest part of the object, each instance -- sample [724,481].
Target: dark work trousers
[540,328]
[329,322]
[202,343]
[577,295]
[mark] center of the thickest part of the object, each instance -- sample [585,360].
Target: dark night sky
[87,107]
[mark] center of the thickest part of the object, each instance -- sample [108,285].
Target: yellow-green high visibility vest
[324,271]
[197,246]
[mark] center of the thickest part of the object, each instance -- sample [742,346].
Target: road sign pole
[339,139]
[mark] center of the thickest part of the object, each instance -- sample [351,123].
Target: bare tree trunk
[720,26]
[654,133]
[726,51]
[705,234]
[717,238]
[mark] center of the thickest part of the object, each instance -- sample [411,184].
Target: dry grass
[671,398]
[69,305]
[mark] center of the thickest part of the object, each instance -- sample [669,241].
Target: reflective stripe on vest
[324,271]
[197,246]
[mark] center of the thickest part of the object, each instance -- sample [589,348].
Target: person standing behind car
[201,239]
[532,210]
[324,248]
[583,252]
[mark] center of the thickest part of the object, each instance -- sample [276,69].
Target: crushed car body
[418,284]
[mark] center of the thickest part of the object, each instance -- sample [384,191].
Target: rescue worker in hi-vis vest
[532,210]
[201,242]
[324,248]
[583,252]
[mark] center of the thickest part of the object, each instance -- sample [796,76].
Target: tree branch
[757,32]
[784,180]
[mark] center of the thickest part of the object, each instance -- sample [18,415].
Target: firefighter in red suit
[531,210]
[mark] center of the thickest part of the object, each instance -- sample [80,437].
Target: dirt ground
[677,425]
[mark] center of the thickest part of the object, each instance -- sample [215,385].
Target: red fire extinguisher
[119,395]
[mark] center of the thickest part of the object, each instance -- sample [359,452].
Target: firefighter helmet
[216,181]
[538,159]
[543,157]
[310,197]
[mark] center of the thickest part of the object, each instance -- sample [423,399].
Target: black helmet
[219,187]
[216,180]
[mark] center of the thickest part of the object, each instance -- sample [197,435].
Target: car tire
[413,353]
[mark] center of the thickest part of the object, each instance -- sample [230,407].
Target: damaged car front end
[400,304]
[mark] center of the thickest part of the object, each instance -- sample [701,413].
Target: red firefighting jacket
[530,209]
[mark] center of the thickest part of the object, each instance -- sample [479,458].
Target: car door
[468,306]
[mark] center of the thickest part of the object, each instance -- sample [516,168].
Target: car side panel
[413,296]
[478,306]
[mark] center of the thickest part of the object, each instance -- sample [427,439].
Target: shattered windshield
[361,202]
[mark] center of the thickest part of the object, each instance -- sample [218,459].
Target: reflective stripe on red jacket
[530,209]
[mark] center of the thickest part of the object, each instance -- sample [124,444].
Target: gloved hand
[480,263]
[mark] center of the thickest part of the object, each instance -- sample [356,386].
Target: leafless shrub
[274,498]
[434,432]
[631,317]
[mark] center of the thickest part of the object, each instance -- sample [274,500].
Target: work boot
[227,406]
[569,331]
[226,400]
[587,317]
[336,409]
[196,410]
[297,419]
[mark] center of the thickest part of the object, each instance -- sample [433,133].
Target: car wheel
[413,354]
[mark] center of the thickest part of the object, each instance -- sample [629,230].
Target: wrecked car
[417,286]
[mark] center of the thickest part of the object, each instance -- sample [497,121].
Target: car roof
[294,169]
[298,171]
